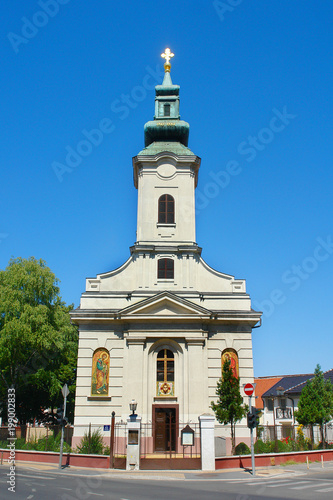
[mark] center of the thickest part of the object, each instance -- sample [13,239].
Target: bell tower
[166,175]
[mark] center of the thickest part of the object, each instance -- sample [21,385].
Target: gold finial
[167,54]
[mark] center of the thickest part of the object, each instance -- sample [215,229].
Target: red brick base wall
[94,461]
[244,461]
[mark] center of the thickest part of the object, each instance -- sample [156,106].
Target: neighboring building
[156,328]
[279,402]
[278,412]
[262,385]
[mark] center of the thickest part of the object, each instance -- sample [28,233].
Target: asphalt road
[33,483]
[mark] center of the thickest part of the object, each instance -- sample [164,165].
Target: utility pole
[65,392]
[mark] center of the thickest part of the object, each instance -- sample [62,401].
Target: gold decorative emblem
[167,54]
[165,389]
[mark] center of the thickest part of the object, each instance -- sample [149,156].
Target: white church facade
[156,328]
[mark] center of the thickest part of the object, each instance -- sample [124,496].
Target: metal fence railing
[283,432]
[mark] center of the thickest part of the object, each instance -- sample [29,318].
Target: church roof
[172,147]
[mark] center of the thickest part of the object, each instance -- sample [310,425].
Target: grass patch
[289,462]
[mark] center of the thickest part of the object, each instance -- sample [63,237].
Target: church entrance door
[165,429]
[161,446]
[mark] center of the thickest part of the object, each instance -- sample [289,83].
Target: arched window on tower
[165,373]
[166,109]
[166,209]
[165,269]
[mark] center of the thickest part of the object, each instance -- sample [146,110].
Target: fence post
[112,440]
[133,442]
[207,441]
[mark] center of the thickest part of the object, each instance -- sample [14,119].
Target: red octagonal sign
[248,389]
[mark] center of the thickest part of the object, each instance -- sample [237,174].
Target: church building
[158,328]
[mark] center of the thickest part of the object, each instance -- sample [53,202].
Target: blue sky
[256,88]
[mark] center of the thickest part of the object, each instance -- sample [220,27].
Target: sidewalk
[226,474]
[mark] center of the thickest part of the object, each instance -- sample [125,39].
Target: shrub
[29,445]
[282,446]
[327,446]
[91,443]
[263,447]
[19,443]
[51,444]
[287,444]
[242,449]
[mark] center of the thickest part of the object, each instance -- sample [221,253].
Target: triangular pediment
[165,304]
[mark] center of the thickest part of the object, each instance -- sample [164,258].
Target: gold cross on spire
[167,54]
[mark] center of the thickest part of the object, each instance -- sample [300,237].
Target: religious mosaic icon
[100,373]
[165,389]
[231,355]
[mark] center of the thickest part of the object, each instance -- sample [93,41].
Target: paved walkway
[225,474]
[230,474]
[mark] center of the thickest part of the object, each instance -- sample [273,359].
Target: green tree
[315,405]
[229,408]
[38,344]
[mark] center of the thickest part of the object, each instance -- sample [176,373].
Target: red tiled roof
[263,384]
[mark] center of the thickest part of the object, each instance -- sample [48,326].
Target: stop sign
[249,389]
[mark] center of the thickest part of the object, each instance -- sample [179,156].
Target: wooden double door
[166,428]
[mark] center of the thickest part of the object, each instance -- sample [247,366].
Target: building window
[166,109]
[165,373]
[270,404]
[165,269]
[283,403]
[282,413]
[166,209]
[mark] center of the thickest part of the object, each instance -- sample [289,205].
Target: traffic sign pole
[65,392]
[252,445]
[249,390]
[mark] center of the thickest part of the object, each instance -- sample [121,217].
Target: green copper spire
[167,125]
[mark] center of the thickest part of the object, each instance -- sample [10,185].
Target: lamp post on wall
[133,404]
